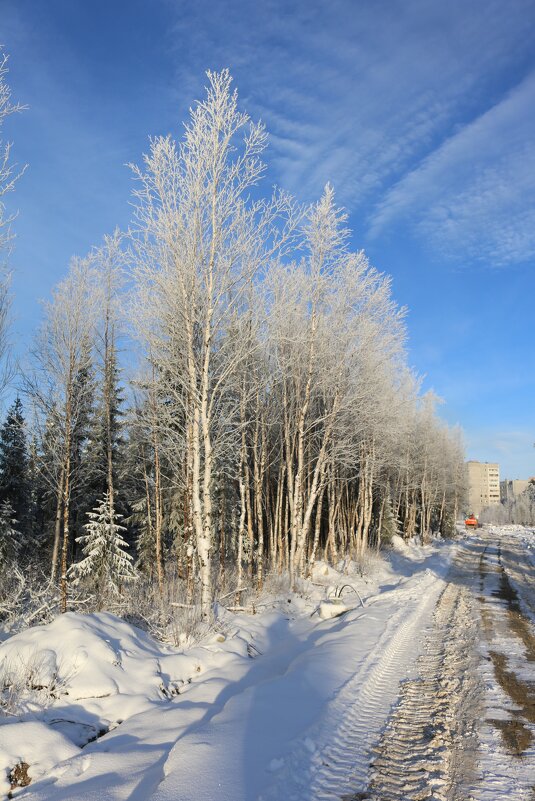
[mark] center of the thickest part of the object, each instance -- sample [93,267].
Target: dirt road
[464,728]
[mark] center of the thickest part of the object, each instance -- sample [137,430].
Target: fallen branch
[232,592]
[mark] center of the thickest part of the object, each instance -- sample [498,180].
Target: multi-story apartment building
[512,488]
[483,485]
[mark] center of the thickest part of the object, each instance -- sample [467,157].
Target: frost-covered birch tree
[60,388]
[9,173]
[336,336]
[200,239]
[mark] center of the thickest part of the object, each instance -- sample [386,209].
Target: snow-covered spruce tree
[10,537]
[106,563]
[103,466]
[41,505]
[45,491]
[81,500]
[387,524]
[14,463]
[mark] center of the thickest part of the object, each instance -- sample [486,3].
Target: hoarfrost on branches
[106,561]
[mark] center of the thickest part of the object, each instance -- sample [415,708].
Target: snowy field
[288,704]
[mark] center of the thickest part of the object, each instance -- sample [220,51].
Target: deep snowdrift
[105,711]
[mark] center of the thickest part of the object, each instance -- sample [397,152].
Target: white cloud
[475,195]
[370,96]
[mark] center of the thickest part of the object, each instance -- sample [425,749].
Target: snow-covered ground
[507,666]
[249,711]
[287,704]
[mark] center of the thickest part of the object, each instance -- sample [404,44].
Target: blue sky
[421,113]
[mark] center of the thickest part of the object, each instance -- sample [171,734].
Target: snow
[286,704]
[334,607]
[504,775]
[110,669]
[34,743]
[245,714]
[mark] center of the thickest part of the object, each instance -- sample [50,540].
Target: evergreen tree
[10,536]
[14,463]
[137,485]
[105,435]
[141,517]
[81,498]
[46,482]
[389,525]
[40,500]
[105,561]
[106,463]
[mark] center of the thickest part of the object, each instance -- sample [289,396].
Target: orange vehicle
[471,522]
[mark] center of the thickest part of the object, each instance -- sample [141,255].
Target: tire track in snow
[428,748]
[519,564]
[506,762]
[438,745]
[347,759]
[356,716]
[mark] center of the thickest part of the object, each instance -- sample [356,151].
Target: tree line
[519,509]
[219,393]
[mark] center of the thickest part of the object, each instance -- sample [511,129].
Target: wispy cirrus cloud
[410,108]
[373,96]
[419,112]
[475,194]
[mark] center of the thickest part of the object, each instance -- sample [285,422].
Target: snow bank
[88,673]
[34,744]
